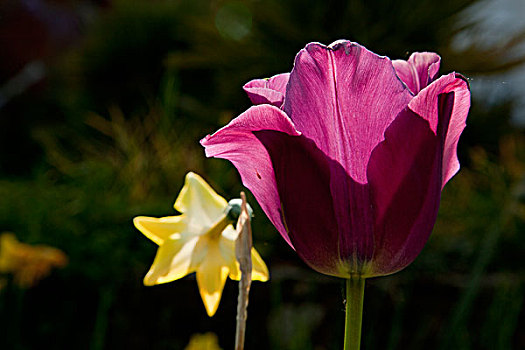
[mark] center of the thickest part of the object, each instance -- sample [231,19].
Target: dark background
[102,104]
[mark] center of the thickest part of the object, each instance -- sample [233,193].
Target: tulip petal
[200,202]
[425,104]
[211,277]
[406,201]
[237,143]
[344,97]
[159,229]
[304,176]
[175,259]
[270,91]
[456,125]
[420,69]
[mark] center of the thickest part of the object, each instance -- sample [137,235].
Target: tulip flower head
[348,154]
[201,240]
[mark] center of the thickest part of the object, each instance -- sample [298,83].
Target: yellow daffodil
[206,341]
[28,264]
[201,240]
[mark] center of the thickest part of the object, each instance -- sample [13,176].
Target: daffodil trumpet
[201,240]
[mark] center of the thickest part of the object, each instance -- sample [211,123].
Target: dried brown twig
[243,250]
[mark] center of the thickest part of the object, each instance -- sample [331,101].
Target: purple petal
[419,71]
[343,97]
[419,156]
[237,143]
[425,104]
[307,181]
[404,175]
[302,173]
[269,91]
[457,123]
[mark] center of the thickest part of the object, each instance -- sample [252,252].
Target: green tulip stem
[355,292]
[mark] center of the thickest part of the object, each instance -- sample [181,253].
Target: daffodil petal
[8,243]
[230,233]
[159,229]
[175,259]
[235,271]
[211,277]
[202,205]
[259,269]
[227,250]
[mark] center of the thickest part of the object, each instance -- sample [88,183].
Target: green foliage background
[117,125]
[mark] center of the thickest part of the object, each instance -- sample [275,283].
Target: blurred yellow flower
[28,264]
[207,341]
[201,240]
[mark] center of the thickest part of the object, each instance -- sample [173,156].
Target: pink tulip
[348,154]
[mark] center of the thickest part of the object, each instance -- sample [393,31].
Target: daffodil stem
[355,292]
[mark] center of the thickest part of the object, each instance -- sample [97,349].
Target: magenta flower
[348,154]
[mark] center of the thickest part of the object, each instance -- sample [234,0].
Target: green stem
[101,322]
[355,292]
